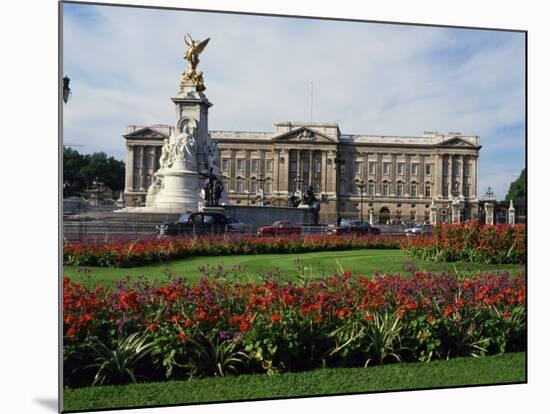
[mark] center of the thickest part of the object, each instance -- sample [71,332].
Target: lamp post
[361,187]
[96,183]
[66,89]
[247,197]
[297,183]
[338,161]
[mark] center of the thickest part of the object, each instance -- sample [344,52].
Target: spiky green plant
[116,366]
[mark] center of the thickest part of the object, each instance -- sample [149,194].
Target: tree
[518,189]
[80,171]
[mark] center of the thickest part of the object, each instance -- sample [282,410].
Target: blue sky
[125,64]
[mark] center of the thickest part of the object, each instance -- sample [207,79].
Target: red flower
[276,318]
[182,336]
[153,327]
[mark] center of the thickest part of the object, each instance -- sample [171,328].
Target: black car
[355,227]
[195,224]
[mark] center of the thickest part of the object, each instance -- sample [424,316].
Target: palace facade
[387,179]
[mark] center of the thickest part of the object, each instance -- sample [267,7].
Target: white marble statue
[164,160]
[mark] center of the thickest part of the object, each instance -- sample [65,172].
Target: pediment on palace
[456,142]
[304,135]
[146,132]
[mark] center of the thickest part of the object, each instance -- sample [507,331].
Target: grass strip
[498,369]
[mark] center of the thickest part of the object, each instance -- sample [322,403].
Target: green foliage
[214,357]
[518,189]
[80,170]
[383,338]
[498,369]
[116,366]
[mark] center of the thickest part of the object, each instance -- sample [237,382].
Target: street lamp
[338,161]
[297,183]
[247,197]
[66,89]
[361,187]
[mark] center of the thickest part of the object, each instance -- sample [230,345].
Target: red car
[280,228]
[356,227]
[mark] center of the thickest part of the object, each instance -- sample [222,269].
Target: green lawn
[499,369]
[365,262]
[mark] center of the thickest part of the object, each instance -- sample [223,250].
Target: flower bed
[219,327]
[128,254]
[471,242]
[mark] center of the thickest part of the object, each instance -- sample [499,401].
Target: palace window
[293,166]
[400,168]
[399,190]
[428,169]
[386,167]
[268,187]
[239,186]
[254,164]
[385,189]
[467,169]
[253,187]
[240,164]
[269,165]
[455,189]
[225,164]
[413,190]
[318,166]
[370,190]
[414,169]
[372,168]
[445,170]
[305,165]
[467,190]
[427,190]
[357,167]
[456,169]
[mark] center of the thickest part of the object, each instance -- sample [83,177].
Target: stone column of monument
[511,214]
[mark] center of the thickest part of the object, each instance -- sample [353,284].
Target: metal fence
[83,231]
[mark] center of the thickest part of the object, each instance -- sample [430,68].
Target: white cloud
[371,78]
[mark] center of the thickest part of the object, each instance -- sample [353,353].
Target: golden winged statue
[192,56]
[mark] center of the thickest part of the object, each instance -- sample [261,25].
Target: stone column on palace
[450,176]
[489,213]
[323,171]
[129,182]
[511,214]
[393,175]
[284,171]
[420,191]
[460,176]
[379,174]
[311,168]
[438,175]
[433,213]
[142,168]
[475,175]
[407,189]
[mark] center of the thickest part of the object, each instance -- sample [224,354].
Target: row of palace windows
[387,168]
[241,163]
[371,190]
[253,186]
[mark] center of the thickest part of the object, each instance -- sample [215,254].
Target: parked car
[280,228]
[236,225]
[419,230]
[355,227]
[196,223]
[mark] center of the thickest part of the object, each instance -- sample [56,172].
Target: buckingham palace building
[389,179]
